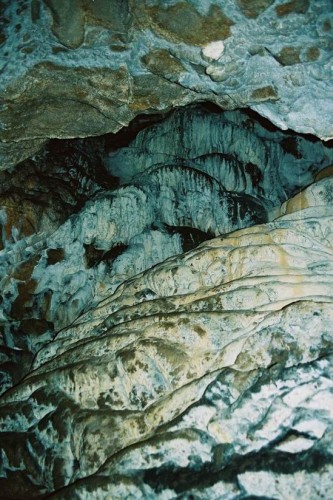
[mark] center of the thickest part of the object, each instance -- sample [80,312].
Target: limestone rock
[64,251]
[166,275]
[105,62]
[213,51]
[200,376]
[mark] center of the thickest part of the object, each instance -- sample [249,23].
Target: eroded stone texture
[254,8]
[83,100]
[200,376]
[130,369]
[196,175]
[104,62]
[200,29]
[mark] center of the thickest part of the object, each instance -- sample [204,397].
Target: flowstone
[133,369]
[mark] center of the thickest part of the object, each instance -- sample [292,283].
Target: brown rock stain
[107,90]
[312,54]
[327,25]
[289,56]
[283,258]
[199,30]
[200,331]
[326,172]
[28,50]
[292,7]
[264,93]
[149,91]
[113,14]
[161,62]
[253,8]
[24,271]
[25,292]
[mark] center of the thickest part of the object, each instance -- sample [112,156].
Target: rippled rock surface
[208,375]
[82,217]
[165,252]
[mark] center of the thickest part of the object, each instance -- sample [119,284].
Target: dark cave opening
[77,168]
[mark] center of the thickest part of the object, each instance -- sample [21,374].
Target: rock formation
[166,252]
[89,67]
[208,374]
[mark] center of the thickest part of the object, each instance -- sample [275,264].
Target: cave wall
[165,249]
[209,374]
[82,217]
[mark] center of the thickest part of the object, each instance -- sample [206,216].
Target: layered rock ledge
[209,374]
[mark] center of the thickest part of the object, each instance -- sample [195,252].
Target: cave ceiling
[166,249]
[81,68]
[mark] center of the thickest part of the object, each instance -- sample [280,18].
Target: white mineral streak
[215,364]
